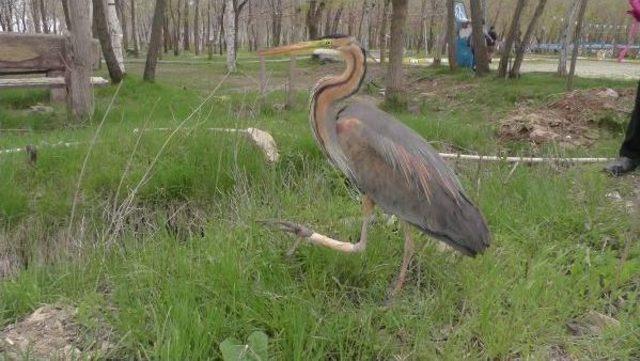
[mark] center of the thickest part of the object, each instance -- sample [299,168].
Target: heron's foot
[290,227]
[298,230]
[622,166]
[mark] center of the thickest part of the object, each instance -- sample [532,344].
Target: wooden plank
[31,52]
[44,82]
[36,53]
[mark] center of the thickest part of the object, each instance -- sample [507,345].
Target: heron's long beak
[294,49]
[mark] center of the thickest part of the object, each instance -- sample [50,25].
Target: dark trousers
[631,146]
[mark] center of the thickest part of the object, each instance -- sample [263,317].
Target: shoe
[621,166]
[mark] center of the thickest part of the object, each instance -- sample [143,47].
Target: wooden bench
[40,54]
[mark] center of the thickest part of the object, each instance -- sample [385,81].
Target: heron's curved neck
[330,90]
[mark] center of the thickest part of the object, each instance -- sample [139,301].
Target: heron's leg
[322,240]
[406,259]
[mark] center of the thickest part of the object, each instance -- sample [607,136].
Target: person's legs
[630,149]
[631,146]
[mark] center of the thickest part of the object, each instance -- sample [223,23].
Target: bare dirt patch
[52,333]
[573,120]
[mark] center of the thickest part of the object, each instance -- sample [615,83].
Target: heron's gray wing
[405,176]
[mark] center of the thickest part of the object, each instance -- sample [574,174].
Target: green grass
[176,289]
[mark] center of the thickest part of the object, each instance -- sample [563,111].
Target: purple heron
[391,165]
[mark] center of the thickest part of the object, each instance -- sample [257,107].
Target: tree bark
[65,10]
[155,42]
[187,36]
[237,10]
[515,69]
[479,43]
[565,41]
[276,21]
[196,28]
[365,24]
[336,19]
[43,14]
[35,15]
[576,44]
[229,31]
[313,17]
[511,39]
[116,73]
[134,30]
[78,74]
[382,36]
[123,21]
[395,77]
[451,35]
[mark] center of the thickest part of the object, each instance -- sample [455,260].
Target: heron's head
[336,42]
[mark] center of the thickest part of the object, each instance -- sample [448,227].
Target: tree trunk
[336,19]
[314,14]
[35,15]
[479,43]
[515,69]
[395,77]
[382,36]
[134,30]
[155,42]
[123,21]
[237,10]
[115,33]
[229,31]
[565,41]
[167,36]
[78,74]
[422,29]
[276,21]
[511,39]
[209,30]
[222,25]
[576,44]
[186,33]
[196,28]
[365,25]
[116,73]
[43,14]
[451,35]
[65,10]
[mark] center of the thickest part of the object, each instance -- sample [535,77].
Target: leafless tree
[565,42]
[78,76]
[479,43]
[100,18]
[511,38]
[515,69]
[395,75]
[155,41]
[451,34]
[576,43]
[314,13]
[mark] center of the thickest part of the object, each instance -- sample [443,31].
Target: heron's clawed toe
[289,227]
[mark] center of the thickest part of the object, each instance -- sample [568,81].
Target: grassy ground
[176,262]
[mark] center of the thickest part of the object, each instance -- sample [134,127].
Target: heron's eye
[327,42]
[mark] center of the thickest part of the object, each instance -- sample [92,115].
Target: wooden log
[57,94]
[36,53]
[49,82]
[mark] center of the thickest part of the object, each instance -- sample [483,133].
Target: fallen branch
[266,142]
[54,145]
[493,158]
[260,138]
